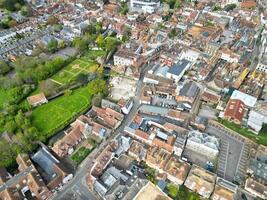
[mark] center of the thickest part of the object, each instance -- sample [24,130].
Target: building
[258,117]
[224,190]
[248,100]
[201,181]
[157,158]
[137,150]
[203,144]
[151,191]
[79,130]
[257,176]
[149,6]
[176,170]
[39,176]
[52,170]
[127,58]
[188,93]
[177,70]
[256,188]
[27,183]
[37,99]
[235,111]
[127,107]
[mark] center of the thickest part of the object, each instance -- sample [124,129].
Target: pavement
[77,188]
[233,156]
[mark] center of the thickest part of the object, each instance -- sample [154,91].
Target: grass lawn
[56,114]
[261,138]
[93,54]
[81,154]
[4,97]
[83,65]
[172,190]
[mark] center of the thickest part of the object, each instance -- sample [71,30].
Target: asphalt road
[77,189]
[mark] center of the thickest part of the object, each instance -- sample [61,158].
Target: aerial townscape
[133,99]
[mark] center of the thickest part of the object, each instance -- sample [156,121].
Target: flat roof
[151,192]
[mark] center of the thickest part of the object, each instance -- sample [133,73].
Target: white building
[148,6]
[203,143]
[248,100]
[190,55]
[257,118]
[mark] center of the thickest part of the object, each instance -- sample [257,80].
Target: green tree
[52,45]
[100,41]
[4,67]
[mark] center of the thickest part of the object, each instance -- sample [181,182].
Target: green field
[83,65]
[57,113]
[4,97]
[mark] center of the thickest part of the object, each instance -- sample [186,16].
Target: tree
[230,7]
[82,78]
[52,20]
[80,44]
[263,129]
[4,67]
[24,11]
[100,41]
[124,8]
[48,87]
[10,126]
[52,45]
[96,101]
[12,23]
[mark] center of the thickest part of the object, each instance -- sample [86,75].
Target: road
[77,189]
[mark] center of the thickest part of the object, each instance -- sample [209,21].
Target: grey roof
[46,162]
[190,89]
[177,68]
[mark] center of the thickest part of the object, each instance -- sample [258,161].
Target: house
[157,158]
[37,99]
[72,138]
[201,181]
[224,190]
[26,182]
[210,97]
[235,111]
[137,150]
[176,170]
[124,57]
[177,70]
[106,117]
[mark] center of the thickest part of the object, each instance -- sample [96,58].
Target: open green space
[83,65]
[57,113]
[4,97]
[261,138]
[81,154]
[93,54]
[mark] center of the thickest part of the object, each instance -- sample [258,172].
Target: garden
[57,113]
